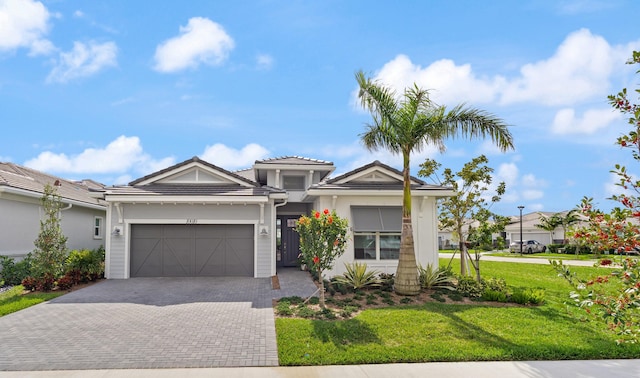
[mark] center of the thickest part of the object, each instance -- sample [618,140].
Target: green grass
[13,300]
[457,332]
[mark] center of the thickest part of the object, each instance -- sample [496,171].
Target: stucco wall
[118,246]
[424,221]
[20,224]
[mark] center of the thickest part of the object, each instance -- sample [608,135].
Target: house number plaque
[192,221]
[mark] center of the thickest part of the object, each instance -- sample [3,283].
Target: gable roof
[212,171]
[30,183]
[375,178]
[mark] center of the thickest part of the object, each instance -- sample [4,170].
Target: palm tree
[407,124]
[571,217]
[550,223]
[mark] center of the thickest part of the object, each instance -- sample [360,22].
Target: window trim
[377,235]
[98,222]
[302,177]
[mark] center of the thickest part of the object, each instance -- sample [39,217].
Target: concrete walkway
[145,323]
[510,369]
[523,260]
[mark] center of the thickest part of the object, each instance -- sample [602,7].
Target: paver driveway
[145,323]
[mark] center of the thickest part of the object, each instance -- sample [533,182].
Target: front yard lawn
[456,332]
[13,300]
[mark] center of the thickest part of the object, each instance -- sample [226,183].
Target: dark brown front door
[289,243]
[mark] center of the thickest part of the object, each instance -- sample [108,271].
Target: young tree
[51,244]
[407,124]
[323,238]
[617,231]
[470,185]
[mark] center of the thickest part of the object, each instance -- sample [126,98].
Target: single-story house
[21,190]
[530,230]
[198,219]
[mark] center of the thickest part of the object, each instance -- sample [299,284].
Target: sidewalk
[523,260]
[509,369]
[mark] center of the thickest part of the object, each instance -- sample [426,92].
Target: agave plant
[358,277]
[435,278]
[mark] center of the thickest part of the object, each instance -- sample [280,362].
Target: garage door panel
[192,250]
[147,259]
[210,257]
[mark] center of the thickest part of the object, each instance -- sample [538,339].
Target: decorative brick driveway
[145,323]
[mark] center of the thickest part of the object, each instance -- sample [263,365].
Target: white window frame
[304,182]
[377,235]
[98,222]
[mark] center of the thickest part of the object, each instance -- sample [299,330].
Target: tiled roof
[293,160]
[189,161]
[30,180]
[191,190]
[370,165]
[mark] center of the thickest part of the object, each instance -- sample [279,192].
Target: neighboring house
[197,219]
[530,231]
[21,190]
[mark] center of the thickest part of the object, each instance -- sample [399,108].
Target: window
[97,228]
[376,232]
[293,182]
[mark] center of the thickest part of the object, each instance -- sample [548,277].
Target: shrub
[358,277]
[294,300]
[45,283]
[469,287]
[90,263]
[283,308]
[305,312]
[347,311]
[496,284]
[65,282]
[433,278]
[528,296]
[386,281]
[494,296]
[12,272]
[29,283]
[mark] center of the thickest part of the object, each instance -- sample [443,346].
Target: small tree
[470,186]
[51,244]
[614,298]
[323,238]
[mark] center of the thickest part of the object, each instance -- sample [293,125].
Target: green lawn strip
[13,300]
[446,332]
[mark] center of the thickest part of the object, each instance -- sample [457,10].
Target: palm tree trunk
[407,282]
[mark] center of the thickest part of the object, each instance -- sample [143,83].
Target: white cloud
[566,122]
[84,60]
[201,41]
[230,158]
[78,14]
[578,70]
[121,155]
[532,194]
[24,23]
[447,81]
[264,61]
[530,180]
[508,172]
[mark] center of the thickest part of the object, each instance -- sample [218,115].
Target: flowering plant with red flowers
[614,298]
[323,238]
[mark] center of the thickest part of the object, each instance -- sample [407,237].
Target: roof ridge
[296,157]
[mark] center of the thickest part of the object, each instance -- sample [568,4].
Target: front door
[289,241]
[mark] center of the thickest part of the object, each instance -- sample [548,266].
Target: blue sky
[114,90]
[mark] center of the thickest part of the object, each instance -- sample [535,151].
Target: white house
[21,190]
[197,219]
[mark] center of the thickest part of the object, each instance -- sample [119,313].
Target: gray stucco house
[21,189]
[198,219]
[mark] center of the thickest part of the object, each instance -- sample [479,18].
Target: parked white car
[528,246]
